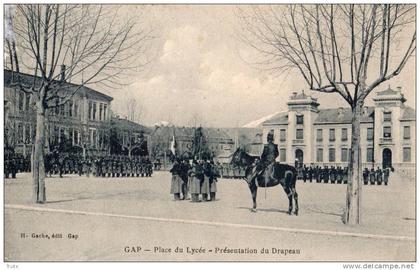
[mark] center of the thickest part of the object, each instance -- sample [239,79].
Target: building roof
[326,116]
[278,119]
[408,114]
[125,124]
[29,79]
[388,91]
[343,115]
[188,132]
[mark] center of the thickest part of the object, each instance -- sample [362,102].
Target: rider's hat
[270,136]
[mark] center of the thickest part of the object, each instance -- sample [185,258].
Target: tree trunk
[354,184]
[39,195]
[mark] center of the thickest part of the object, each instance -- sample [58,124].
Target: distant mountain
[257,123]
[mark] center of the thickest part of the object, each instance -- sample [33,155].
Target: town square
[209,133]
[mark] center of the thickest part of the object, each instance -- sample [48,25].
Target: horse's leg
[253,189]
[290,196]
[295,196]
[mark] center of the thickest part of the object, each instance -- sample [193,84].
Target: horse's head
[239,158]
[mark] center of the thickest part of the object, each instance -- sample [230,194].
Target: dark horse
[282,174]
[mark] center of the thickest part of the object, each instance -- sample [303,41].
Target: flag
[173,145]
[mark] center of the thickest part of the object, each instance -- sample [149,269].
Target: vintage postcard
[226,132]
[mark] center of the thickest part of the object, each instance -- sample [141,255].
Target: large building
[323,136]
[82,122]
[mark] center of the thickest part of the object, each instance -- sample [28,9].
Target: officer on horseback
[268,157]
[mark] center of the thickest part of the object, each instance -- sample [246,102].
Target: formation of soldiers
[377,176]
[324,174]
[16,163]
[339,175]
[195,177]
[111,166]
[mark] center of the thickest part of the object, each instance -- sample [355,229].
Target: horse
[282,174]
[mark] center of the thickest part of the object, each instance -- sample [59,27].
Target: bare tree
[344,49]
[69,43]
[135,110]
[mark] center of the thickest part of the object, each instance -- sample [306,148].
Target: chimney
[399,89]
[365,110]
[63,73]
[340,111]
[294,94]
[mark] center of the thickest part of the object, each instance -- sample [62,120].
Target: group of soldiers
[338,174]
[16,163]
[110,166]
[324,174]
[377,176]
[195,177]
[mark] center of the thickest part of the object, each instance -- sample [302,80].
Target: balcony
[386,140]
[298,141]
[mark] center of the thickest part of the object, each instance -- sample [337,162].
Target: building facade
[81,123]
[323,136]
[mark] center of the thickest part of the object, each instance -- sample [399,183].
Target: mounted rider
[268,157]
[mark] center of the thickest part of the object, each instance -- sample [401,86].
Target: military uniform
[386,176]
[176,183]
[372,176]
[197,176]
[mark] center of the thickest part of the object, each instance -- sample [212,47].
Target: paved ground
[138,214]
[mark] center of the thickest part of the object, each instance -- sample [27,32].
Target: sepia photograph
[210,133]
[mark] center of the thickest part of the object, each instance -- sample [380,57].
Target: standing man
[176,183]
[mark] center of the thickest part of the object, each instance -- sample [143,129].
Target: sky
[198,73]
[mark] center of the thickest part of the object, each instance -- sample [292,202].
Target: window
[299,134]
[407,132]
[387,132]
[331,155]
[407,154]
[332,134]
[28,138]
[90,110]
[27,102]
[76,137]
[369,134]
[344,154]
[282,135]
[387,116]
[369,155]
[76,110]
[319,135]
[299,119]
[105,111]
[100,111]
[21,100]
[282,155]
[344,134]
[319,155]
[20,133]
[62,135]
[94,111]
[62,109]
[71,108]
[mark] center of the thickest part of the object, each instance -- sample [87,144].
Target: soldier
[386,176]
[184,177]
[345,175]
[333,174]
[268,157]
[205,185]
[304,173]
[372,176]
[213,181]
[176,183]
[326,174]
[379,176]
[196,173]
[366,176]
